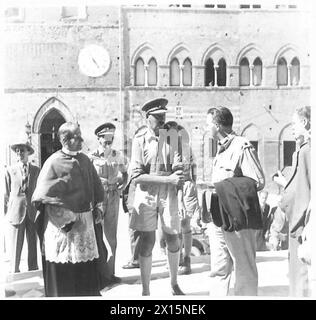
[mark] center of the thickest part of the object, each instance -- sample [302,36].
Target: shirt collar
[69,153]
[21,164]
[228,138]
[150,135]
[101,151]
[224,143]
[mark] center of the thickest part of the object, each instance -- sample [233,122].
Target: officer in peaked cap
[155,111]
[156,106]
[155,194]
[105,128]
[112,170]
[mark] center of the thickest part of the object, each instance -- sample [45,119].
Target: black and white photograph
[157,151]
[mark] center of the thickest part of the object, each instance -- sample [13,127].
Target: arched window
[152,72]
[139,72]
[257,72]
[254,144]
[282,72]
[213,145]
[252,133]
[295,72]
[209,73]
[287,147]
[174,72]
[244,72]
[187,72]
[221,73]
[288,151]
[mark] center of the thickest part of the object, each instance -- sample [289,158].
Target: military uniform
[154,199]
[154,196]
[109,165]
[108,168]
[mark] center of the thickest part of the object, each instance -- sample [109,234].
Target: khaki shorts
[155,202]
[190,199]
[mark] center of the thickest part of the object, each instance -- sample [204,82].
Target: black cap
[104,128]
[155,106]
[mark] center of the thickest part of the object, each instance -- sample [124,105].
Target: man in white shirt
[235,157]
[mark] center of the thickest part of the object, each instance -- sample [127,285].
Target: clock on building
[94,60]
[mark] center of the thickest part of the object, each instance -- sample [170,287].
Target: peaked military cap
[155,106]
[22,145]
[104,129]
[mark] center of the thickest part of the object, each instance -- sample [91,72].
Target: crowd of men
[74,199]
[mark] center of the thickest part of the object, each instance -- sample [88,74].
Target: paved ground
[272,269]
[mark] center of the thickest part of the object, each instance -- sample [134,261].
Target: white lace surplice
[77,245]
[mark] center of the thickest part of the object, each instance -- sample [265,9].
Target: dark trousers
[16,239]
[101,262]
[71,279]
[298,272]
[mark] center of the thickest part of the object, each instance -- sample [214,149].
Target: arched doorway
[252,133]
[287,146]
[49,142]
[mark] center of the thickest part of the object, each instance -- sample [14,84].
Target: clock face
[94,60]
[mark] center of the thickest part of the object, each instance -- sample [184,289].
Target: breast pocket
[101,168]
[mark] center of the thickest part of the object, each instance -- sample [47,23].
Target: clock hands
[93,60]
[95,63]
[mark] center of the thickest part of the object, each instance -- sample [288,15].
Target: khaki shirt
[237,157]
[109,167]
[151,157]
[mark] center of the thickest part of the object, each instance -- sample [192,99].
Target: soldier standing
[111,168]
[155,194]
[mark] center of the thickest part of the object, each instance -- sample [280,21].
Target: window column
[181,66]
[251,76]
[289,67]
[146,74]
[215,75]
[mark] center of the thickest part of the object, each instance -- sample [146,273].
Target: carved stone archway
[45,126]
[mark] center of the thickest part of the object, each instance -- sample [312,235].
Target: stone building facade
[252,59]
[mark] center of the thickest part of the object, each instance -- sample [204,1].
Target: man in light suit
[20,182]
[296,200]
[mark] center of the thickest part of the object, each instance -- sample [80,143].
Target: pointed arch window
[187,72]
[221,73]
[213,145]
[254,144]
[244,72]
[288,151]
[152,72]
[257,72]
[140,72]
[295,72]
[282,79]
[209,73]
[174,72]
